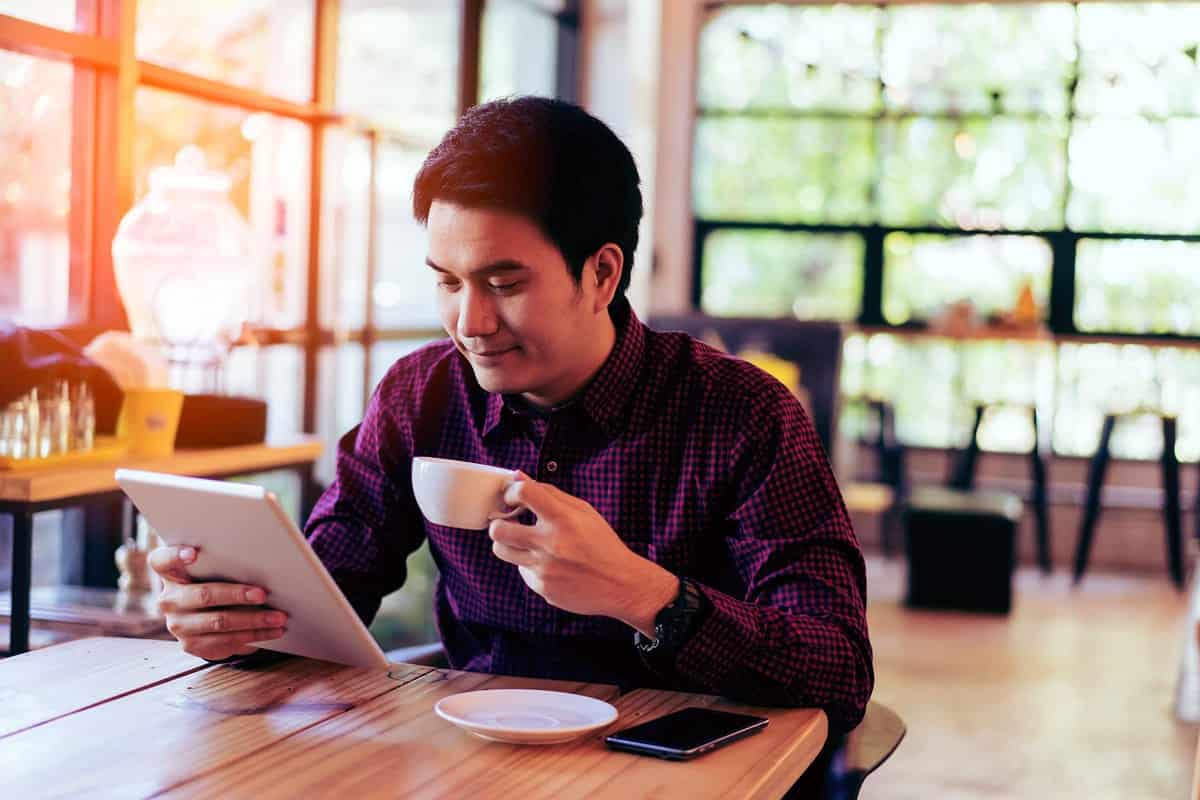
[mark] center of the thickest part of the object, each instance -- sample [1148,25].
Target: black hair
[547,160]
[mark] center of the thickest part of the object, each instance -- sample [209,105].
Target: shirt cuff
[723,641]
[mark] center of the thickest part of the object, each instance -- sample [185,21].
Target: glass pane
[924,273]
[35,189]
[1139,58]
[1179,369]
[1096,379]
[1138,287]
[267,158]
[1135,175]
[404,292]
[1009,377]
[54,13]
[260,44]
[778,274]
[275,374]
[784,170]
[345,233]
[919,377]
[1001,173]
[519,51]
[339,400]
[979,58]
[398,63]
[786,57]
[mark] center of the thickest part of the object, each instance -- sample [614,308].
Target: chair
[845,762]
[962,477]
[1170,482]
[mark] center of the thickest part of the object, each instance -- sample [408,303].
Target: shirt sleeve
[364,526]
[797,635]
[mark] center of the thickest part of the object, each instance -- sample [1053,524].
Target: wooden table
[25,492]
[134,718]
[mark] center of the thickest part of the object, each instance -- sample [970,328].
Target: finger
[511,514]
[514,534]
[228,620]
[514,555]
[215,647]
[534,496]
[207,595]
[171,562]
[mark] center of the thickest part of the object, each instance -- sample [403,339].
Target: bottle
[83,417]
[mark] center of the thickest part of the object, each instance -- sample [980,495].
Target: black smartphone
[685,733]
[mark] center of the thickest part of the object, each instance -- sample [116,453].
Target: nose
[476,314]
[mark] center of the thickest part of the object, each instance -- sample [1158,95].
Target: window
[36,107]
[519,50]
[255,84]
[878,164]
[265,45]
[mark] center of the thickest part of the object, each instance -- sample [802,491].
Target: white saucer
[525,716]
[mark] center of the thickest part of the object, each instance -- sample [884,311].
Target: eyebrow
[494,268]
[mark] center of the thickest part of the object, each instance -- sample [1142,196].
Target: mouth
[490,355]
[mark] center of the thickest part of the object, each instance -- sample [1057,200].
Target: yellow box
[149,419]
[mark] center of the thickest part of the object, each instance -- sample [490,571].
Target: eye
[504,288]
[448,286]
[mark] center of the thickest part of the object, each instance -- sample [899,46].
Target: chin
[497,381]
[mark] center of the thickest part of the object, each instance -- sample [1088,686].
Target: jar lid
[190,172]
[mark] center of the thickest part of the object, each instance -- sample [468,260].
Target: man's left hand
[574,559]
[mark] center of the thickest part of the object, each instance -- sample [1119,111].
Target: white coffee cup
[460,494]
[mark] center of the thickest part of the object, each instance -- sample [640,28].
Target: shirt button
[551,466]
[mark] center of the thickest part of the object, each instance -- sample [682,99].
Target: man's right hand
[212,620]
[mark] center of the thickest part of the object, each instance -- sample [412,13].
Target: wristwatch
[675,623]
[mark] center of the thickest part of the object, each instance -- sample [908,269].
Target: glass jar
[183,263]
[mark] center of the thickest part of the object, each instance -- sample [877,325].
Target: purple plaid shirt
[701,463]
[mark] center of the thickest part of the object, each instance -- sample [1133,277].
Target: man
[684,528]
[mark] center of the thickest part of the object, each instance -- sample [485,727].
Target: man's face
[508,302]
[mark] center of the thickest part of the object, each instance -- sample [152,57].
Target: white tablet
[243,535]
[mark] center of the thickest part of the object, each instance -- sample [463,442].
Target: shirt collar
[604,398]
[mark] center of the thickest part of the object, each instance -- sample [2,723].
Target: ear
[608,266]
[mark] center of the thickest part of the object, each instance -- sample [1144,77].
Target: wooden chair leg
[1091,511]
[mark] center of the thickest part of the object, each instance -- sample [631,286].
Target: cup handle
[516,512]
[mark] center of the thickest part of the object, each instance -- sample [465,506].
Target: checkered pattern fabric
[701,463]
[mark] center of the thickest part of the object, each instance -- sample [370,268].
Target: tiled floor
[1071,696]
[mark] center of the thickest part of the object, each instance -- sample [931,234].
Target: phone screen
[687,732]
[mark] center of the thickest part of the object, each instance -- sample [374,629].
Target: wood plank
[175,80]
[153,739]
[396,746]
[764,765]
[43,484]
[43,685]
[45,41]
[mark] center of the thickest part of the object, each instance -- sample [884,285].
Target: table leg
[1170,479]
[1041,512]
[22,569]
[1095,487]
